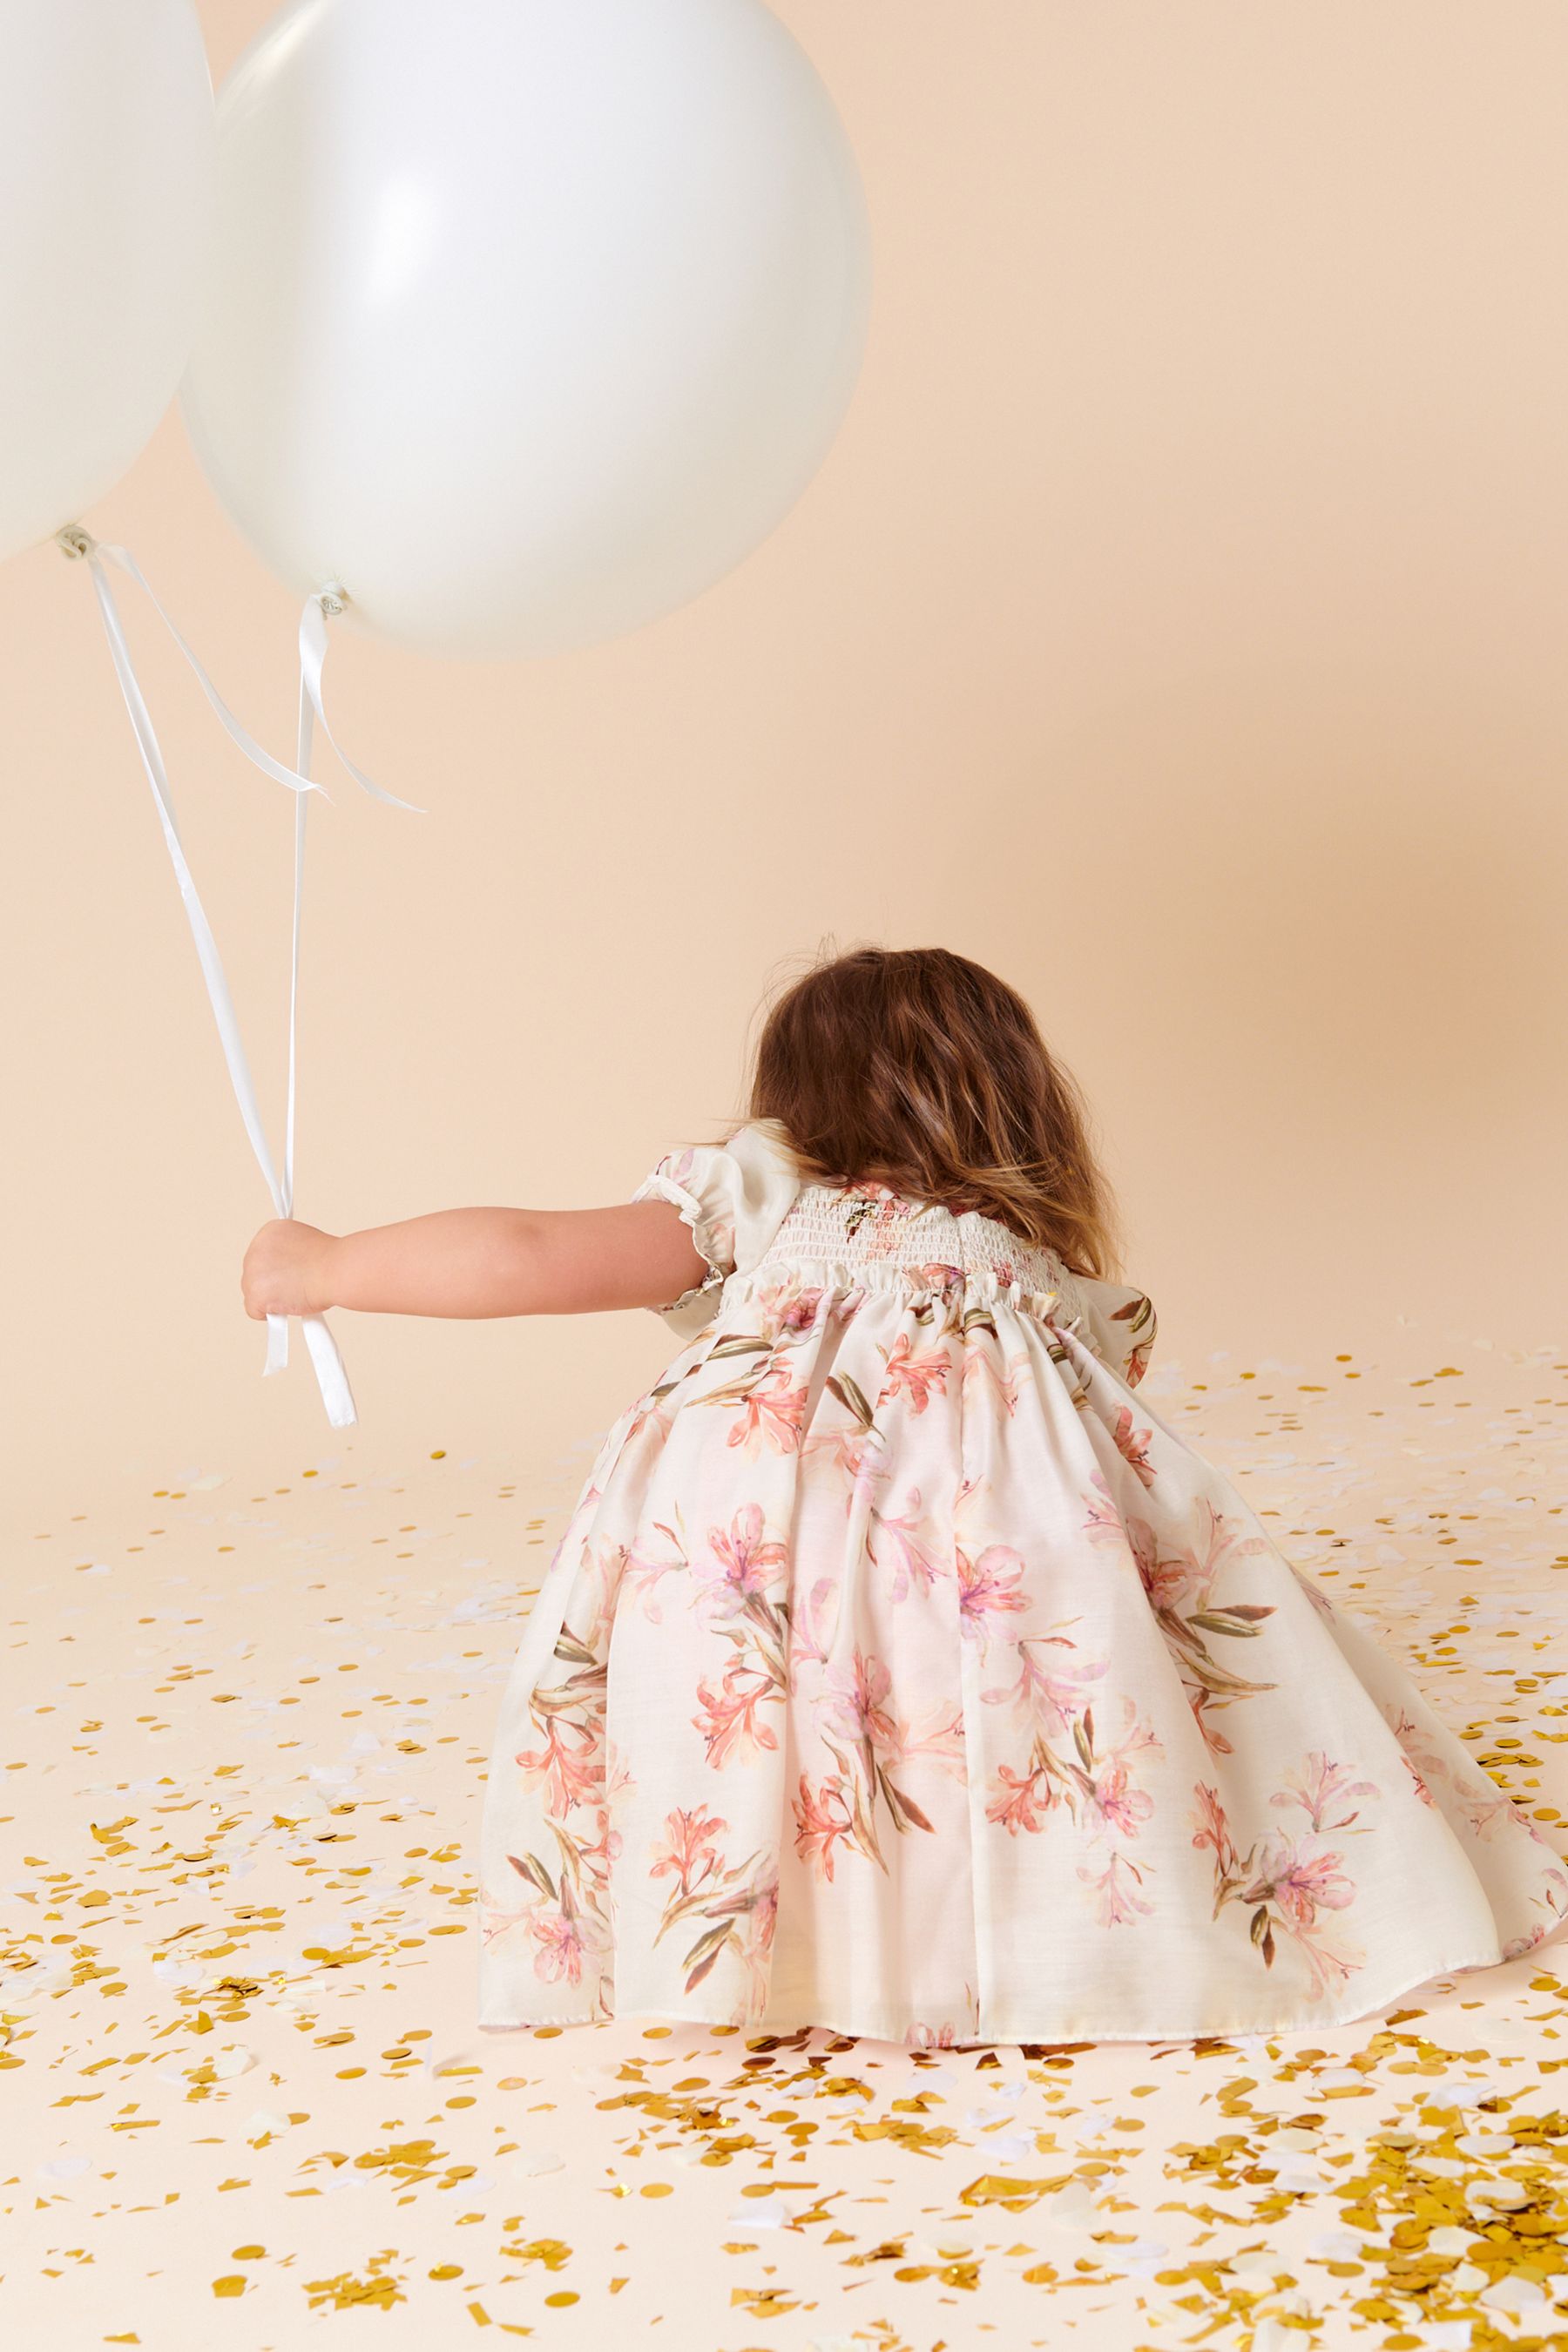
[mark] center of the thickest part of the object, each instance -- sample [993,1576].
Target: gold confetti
[304,1860]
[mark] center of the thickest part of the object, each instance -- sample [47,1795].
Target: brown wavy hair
[915,1068]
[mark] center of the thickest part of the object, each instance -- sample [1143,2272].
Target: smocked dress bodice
[759,1227]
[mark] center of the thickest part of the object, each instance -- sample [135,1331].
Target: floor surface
[243,2101]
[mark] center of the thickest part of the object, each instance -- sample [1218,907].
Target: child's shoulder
[733,1194]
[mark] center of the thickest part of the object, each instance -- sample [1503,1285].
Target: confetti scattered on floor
[245,1728]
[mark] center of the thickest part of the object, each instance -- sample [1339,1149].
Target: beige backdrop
[1179,626]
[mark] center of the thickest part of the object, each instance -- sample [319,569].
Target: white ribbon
[331,1377]
[312,662]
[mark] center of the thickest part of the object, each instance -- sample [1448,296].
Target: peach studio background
[1179,626]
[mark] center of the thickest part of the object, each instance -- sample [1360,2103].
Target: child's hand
[286,1270]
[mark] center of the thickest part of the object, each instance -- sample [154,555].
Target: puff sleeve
[734,1196]
[1118,1324]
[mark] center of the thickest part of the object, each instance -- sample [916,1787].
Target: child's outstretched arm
[477,1262]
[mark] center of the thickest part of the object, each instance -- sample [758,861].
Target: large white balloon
[106,160]
[532,317]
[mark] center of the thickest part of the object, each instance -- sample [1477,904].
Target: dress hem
[1321,2020]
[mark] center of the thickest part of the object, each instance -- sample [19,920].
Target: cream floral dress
[901,1672]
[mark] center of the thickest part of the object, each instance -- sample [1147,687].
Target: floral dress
[901,1672]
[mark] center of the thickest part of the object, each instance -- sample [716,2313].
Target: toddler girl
[899,1672]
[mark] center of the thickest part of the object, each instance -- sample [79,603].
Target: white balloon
[532,317]
[106,163]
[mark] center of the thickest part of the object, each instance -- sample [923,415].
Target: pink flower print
[854,1449]
[742,1916]
[596,1858]
[1103,1524]
[786,1307]
[1116,1885]
[1049,1690]
[1318,1599]
[1483,1810]
[753,1913]
[1221,1546]
[873,1468]
[1133,1444]
[746,1562]
[1012,1807]
[770,1412]
[821,1822]
[1301,1883]
[728,1721]
[1213,1829]
[1114,1804]
[559,1938]
[1425,1763]
[1555,1902]
[941,1738]
[690,1852]
[857,1708]
[571,1775]
[1285,1882]
[988,1588]
[811,1627]
[939,1276]
[647,1413]
[1096,1791]
[981,1371]
[902,1539]
[1322,1791]
[762,1914]
[932,2037]
[619,1786]
[644,1574]
[1169,1579]
[1166,1581]
[915,1375]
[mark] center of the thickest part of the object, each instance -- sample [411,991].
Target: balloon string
[312,709]
[331,1377]
[75,541]
[332,599]
[277,1327]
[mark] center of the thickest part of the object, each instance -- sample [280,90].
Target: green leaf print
[528,1867]
[852,1397]
[1230,1621]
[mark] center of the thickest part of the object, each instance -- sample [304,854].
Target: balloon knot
[334,598]
[74,541]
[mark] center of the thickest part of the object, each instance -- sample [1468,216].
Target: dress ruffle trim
[704,1234]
